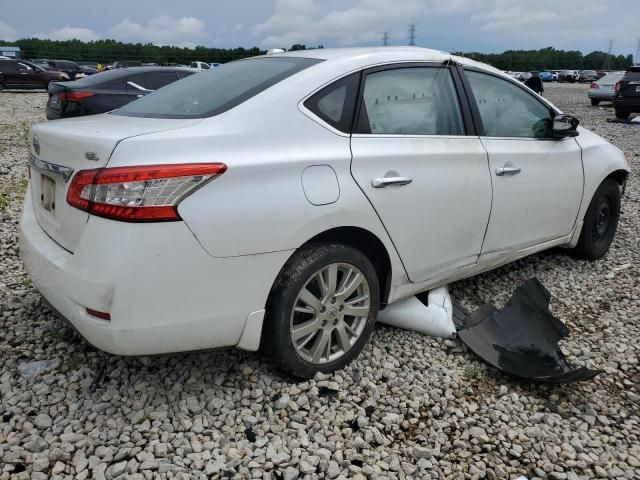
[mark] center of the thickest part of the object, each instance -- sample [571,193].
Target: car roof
[362,56]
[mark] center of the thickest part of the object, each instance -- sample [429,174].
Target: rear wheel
[622,114]
[600,222]
[321,310]
[595,101]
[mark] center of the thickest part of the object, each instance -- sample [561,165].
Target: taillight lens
[146,193]
[75,96]
[618,86]
[593,85]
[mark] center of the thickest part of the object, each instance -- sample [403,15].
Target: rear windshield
[98,78]
[217,90]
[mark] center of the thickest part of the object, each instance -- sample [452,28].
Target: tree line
[107,51]
[551,59]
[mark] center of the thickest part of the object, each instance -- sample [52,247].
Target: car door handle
[386,181]
[508,169]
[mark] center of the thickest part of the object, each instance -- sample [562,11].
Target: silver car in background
[604,89]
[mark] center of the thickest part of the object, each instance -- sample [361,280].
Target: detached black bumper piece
[522,338]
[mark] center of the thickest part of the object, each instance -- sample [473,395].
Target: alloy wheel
[330,313]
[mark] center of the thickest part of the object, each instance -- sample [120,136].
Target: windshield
[217,90]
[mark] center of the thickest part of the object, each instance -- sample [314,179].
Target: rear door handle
[508,169]
[386,181]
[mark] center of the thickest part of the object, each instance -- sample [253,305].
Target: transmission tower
[607,61]
[385,39]
[412,34]
[638,53]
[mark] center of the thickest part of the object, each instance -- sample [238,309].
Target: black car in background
[627,97]
[106,91]
[67,66]
[588,76]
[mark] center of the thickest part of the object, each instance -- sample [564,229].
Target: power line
[607,62]
[412,33]
[385,39]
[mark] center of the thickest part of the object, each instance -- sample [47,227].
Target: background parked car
[568,76]
[546,76]
[524,76]
[586,76]
[106,91]
[199,66]
[21,74]
[627,97]
[70,68]
[127,63]
[604,88]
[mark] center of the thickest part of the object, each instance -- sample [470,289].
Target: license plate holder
[48,193]
[55,100]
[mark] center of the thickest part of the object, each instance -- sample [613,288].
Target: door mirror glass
[565,126]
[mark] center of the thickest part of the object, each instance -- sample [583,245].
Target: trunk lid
[61,148]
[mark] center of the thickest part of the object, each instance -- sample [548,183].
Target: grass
[65,335]
[12,191]
[26,282]
[473,371]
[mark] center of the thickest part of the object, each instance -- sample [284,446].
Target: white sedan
[281,201]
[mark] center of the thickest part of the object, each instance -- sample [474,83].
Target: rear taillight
[75,96]
[618,86]
[146,193]
[593,85]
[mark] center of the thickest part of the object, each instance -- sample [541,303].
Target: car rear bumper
[629,103]
[601,94]
[164,293]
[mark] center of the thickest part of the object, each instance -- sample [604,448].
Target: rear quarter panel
[259,205]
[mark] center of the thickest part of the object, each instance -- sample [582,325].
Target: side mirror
[565,126]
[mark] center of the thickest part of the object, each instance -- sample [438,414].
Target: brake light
[618,87]
[75,96]
[593,85]
[145,193]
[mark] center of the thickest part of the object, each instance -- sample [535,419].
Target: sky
[450,25]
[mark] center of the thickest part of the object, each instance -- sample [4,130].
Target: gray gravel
[409,407]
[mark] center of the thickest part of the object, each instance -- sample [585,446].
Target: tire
[303,356]
[622,114]
[595,102]
[600,222]
[1,87]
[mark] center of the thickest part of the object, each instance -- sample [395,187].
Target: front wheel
[600,222]
[321,310]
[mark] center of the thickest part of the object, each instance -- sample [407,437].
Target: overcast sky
[452,25]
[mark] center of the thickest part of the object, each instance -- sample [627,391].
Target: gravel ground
[409,407]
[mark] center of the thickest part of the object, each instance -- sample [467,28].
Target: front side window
[507,110]
[214,92]
[410,101]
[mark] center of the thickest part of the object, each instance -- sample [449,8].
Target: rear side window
[410,101]
[156,80]
[336,103]
[213,92]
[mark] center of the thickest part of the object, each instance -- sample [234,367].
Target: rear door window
[410,101]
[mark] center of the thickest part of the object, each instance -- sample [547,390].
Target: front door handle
[386,181]
[508,169]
